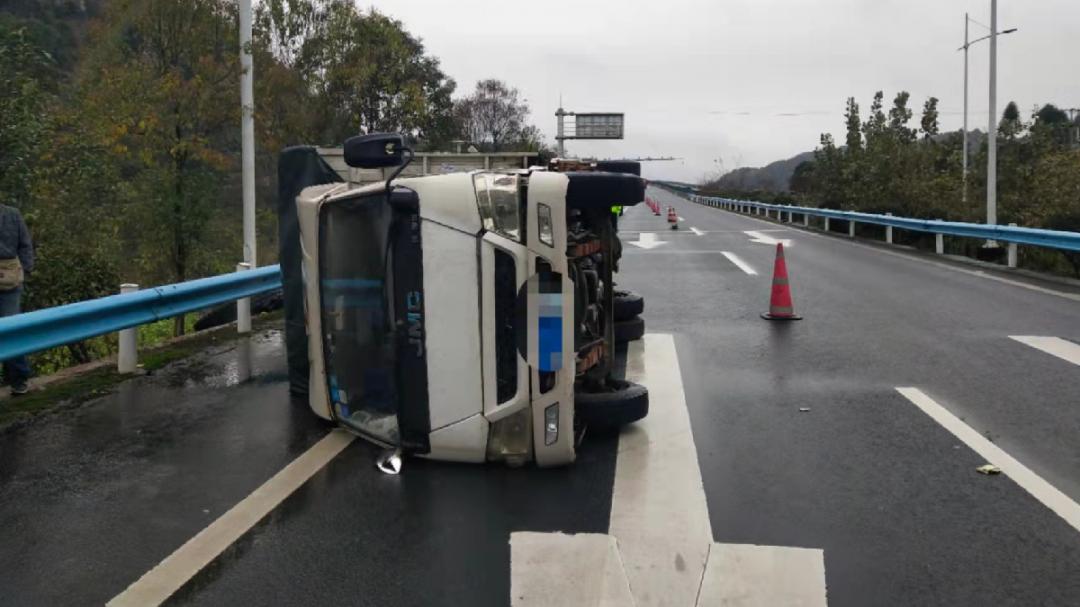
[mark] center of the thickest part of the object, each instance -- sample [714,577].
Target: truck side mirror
[374,151]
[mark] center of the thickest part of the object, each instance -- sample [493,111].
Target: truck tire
[627,403]
[629,330]
[226,313]
[626,305]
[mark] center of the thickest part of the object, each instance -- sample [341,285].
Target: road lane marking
[1031,482]
[158,584]
[742,265]
[557,569]
[681,218]
[1061,348]
[659,523]
[658,509]
[738,571]
[647,240]
[760,237]
[696,231]
[931,262]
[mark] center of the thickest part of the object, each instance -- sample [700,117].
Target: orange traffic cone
[672,218]
[780,305]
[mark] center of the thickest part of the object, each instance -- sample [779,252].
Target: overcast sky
[712,81]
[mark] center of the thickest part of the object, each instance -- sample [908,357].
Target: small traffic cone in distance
[781,307]
[672,218]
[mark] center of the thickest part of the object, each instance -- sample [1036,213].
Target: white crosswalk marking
[1061,348]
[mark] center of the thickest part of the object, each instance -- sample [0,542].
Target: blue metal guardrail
[51,327]
[1054,239]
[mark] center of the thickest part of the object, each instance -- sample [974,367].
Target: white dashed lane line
[1031,482]
[1061,348]
[158,584]
[742,265]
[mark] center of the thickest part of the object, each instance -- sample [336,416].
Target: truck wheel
[626,403]
[629,330]
[627,305]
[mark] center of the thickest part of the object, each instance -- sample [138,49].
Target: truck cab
[445,314]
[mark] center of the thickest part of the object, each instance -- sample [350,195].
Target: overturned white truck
[469,316]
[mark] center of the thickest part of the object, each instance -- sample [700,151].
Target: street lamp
[991,173]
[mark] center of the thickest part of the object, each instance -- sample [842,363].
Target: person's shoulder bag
[11,271]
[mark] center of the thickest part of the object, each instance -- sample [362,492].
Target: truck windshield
[359,343]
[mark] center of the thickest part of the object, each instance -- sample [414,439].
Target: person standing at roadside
[16,263]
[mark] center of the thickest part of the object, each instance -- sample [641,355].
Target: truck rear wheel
[629,330]
[627,305]
[625,403]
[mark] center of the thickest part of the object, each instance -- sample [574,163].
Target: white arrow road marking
[696,231]
[660,524]
[647,240]
[1031,482]
[756,236]
[1063,349]
[745,267]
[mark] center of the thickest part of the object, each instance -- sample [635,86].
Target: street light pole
[247,153]
[991,172]
[991,133]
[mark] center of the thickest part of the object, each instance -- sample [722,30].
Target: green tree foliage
[363,71]
[851,119]
[119,127]
[896,171]
[23,124]
[495,116]
[929,122]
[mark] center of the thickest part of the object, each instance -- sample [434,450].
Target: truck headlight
[551,424]
[510,438]
[498,200]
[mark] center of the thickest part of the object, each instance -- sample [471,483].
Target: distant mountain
[773,176]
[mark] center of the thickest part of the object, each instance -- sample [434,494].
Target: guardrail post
[826,224]
[243,306]
[939,244]
[806,220]
[851,228]
[1012,251]
[888,231]
[127,358]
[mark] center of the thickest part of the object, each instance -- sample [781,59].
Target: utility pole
[247,154]
[964,195]
[991,173]
[991,133]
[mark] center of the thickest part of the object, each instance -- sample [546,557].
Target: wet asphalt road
[892,498]
[96,496]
